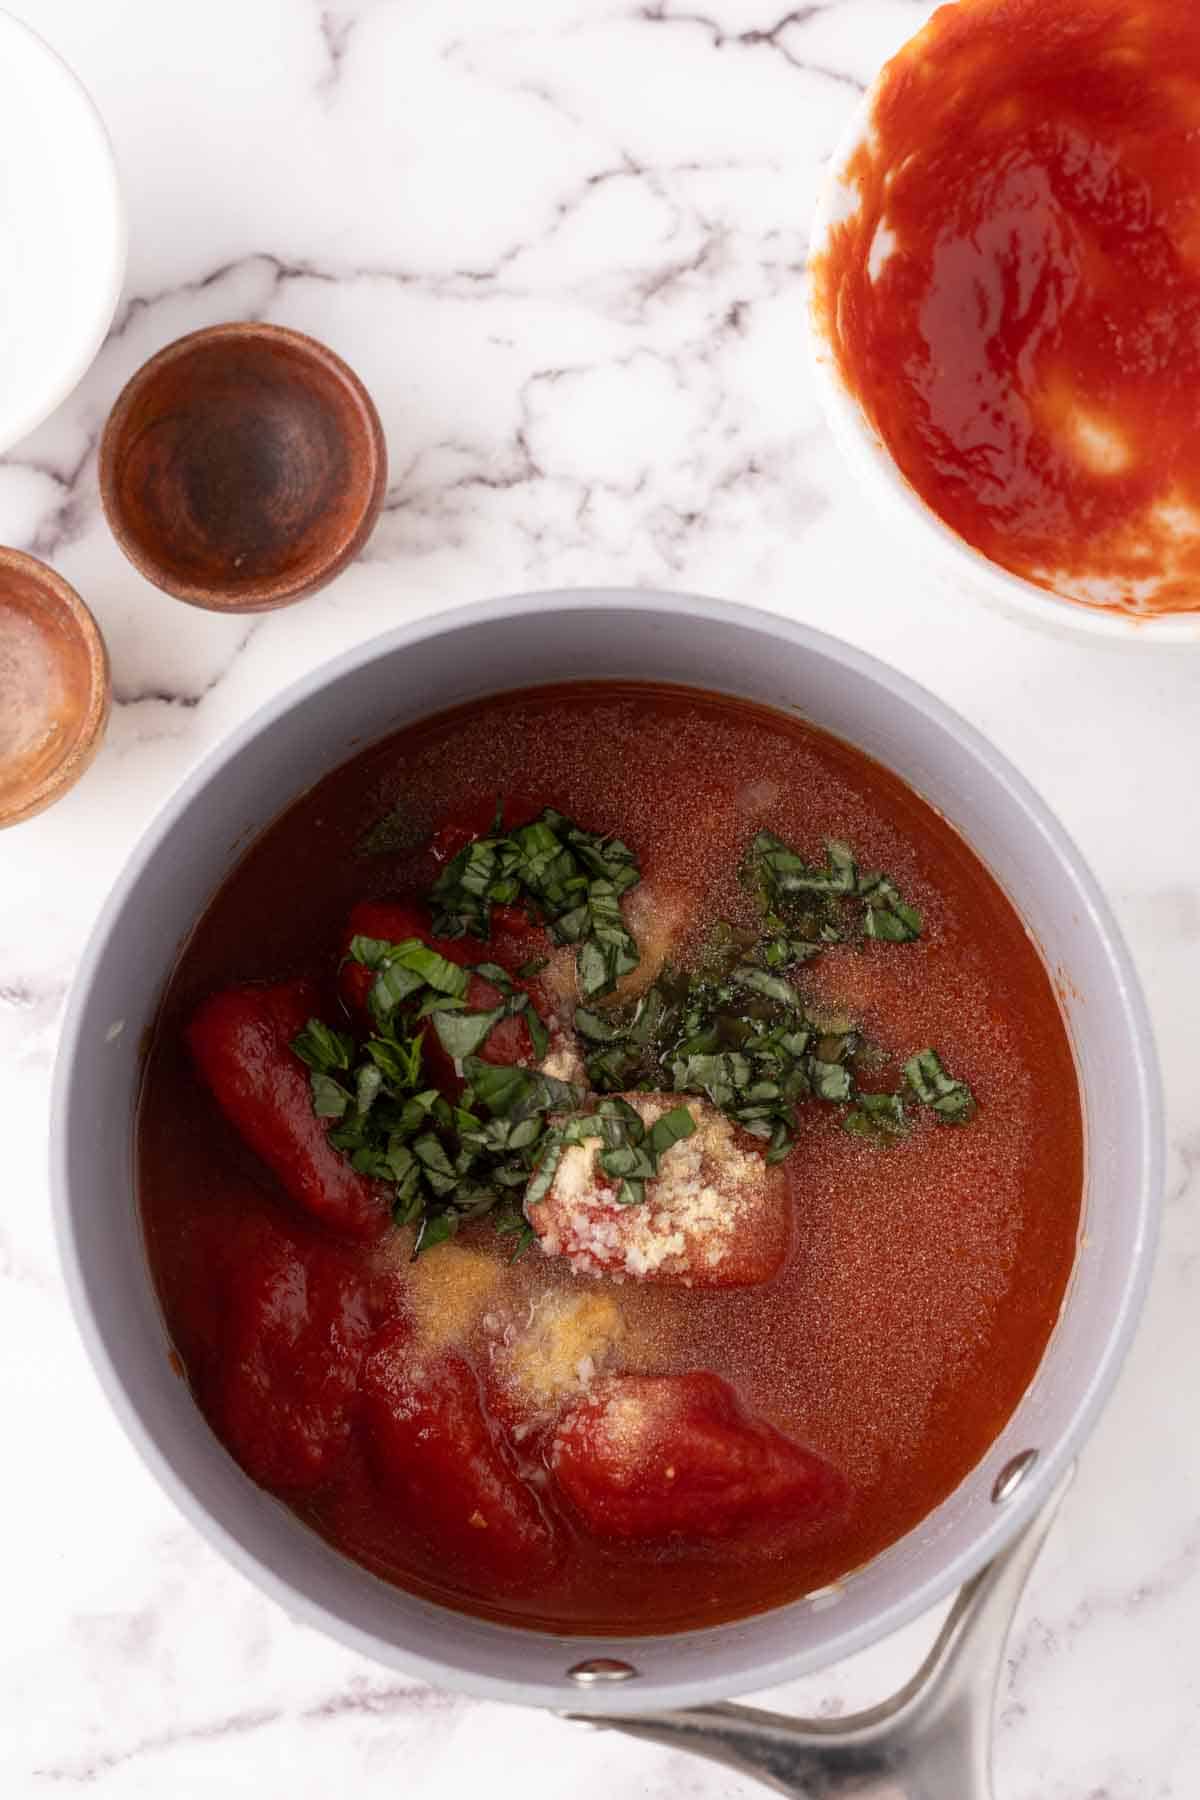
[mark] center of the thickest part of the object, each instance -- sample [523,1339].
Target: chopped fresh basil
[429,1151]
[368,1084]
[435,1228]
[372,952]
[446,1165]
[899,924]
[775,987]
[626,1160]
[572,880]
[594,1028]
[510,1221]
[323,1049]
[951,1101]
[805,904]
[512,1092]
[887,915]
[499,978]
[830,1080]
[735,1031]
[539,1036]
[778,872]
[670,1129]
[781,952]
[391,835]
[879,1118]
[390,989]
[414,958]
[545,1169]
[399,1062]
[882,1118]
[748,1044]
[745,1043]
[719,1076]
[434,1002]
[330,1099]
[461,1034]
[500,1086]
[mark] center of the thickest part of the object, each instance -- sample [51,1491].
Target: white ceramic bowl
[887,492]
[422,668]
[62,231]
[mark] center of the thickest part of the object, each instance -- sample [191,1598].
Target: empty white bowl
[62,231]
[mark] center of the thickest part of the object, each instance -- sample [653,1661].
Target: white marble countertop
[563,241]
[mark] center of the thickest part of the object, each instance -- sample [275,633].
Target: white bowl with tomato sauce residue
[983,355]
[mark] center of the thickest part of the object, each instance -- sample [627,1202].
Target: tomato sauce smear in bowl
[1012,294]
[610,1159]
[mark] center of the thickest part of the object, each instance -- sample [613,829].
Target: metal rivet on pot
[1012,1475]
[600,1671]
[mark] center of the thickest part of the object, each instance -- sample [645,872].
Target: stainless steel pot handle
[930,1741]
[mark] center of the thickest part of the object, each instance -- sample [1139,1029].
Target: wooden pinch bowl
[243,467]
[54,686]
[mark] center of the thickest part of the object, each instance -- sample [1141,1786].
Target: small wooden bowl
[243,467]
[54,687]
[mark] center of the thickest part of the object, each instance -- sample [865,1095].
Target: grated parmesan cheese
[555,1355]
[715,1215]
[564,1058]
[450,1287]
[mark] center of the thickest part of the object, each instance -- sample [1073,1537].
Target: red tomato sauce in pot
[1015,300]
[528,1441]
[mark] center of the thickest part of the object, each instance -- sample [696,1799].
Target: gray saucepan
[931,1740]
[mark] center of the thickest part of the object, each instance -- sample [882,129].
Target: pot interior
[423,669]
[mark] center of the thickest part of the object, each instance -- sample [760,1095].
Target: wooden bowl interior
[53,688]
[242,467]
